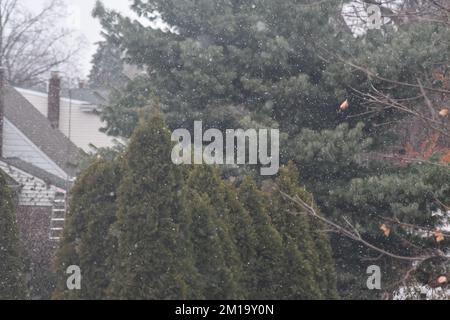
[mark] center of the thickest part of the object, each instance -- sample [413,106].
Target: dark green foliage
[413,194]
[348,181]
[107,68]
[309,255]
[177,234]
[261,258]
[87,242]
[12,277]
[286,64]
[259,56]
[266,271]
[152,262]
[394,61]
[221,249]
[133,97]
[214,253]
[329,158]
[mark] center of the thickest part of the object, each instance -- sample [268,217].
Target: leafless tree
[32,43]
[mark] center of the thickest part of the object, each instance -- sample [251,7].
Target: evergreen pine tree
[415,194]
[257,55]
[107,68]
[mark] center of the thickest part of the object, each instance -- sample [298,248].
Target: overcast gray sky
[82,20]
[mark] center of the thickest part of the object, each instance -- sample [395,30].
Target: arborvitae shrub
[87,242]
[151,262]
[12,280]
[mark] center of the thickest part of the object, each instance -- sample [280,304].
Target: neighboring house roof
[98,97]
[32,187]
[38,130]
[79,120]
[36,172]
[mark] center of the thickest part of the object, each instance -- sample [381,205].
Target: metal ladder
[58,216]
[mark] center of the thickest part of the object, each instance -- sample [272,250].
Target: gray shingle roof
[38,129]
[98,97]
[36,172]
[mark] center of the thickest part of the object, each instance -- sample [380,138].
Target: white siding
[84,127]
[17,145]
[84,124]
[35,192]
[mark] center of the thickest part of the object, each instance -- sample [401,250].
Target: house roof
[35,171]
[37,128]
[98,97]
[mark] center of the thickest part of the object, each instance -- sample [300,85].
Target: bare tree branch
[352,233]
[31,45]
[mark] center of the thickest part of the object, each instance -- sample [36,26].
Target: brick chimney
[2,106]
[54,91]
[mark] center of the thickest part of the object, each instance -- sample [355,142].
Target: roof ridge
[37,128]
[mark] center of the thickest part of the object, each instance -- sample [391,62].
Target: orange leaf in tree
[426,150]
[439,236]
[442,280]
[410,152]
[443,113]
[438,282]
[344,106]
[386,230]
[446,158]
[430,146]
